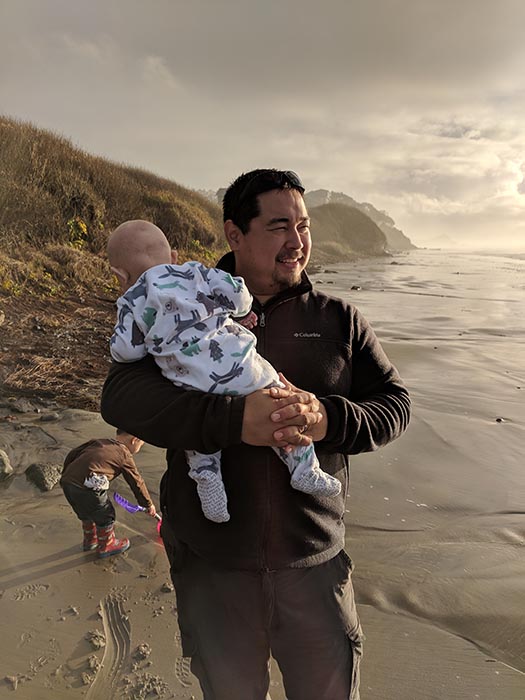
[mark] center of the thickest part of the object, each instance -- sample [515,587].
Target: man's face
[276,248]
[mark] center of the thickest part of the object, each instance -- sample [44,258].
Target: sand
[435,521]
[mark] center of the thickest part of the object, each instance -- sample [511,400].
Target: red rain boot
[90,535]
[108,543]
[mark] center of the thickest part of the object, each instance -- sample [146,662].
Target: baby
[188,317]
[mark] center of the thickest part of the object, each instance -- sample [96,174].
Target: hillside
[341,233]
[57,206]
[395,239]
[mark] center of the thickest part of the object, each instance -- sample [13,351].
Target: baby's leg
[206,471]
[307,476]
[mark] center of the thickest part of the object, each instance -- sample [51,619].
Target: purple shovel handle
[130,507]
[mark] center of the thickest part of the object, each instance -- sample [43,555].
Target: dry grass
[58,205]
[48,374]
[55,348]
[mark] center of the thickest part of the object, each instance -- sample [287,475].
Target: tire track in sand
[116,659]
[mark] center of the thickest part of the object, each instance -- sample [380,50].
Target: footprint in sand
[30,591]
[182,671]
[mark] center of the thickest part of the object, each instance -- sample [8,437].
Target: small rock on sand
[5,465]
[49,417]
[96,639]
[13,681]
[44,476]
[142,651]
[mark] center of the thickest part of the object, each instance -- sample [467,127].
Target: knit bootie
[108,544]
[90,535]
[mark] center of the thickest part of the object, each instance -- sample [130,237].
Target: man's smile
[290,262]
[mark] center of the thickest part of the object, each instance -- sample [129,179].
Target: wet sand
[435,521]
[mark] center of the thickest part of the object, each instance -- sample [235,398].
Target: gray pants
[231,620]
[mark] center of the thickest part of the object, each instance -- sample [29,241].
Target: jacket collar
[227,263]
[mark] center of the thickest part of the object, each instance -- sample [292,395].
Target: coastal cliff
[395,239]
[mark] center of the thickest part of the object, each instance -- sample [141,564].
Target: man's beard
[283,281]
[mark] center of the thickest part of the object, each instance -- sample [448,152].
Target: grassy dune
[58,204]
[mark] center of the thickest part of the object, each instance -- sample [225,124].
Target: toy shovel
[131,507]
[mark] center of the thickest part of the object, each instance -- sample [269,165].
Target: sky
[417,106]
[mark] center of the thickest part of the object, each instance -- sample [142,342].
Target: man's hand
[283,417]
[152,511]
[306,419]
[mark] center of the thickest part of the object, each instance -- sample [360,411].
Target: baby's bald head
[135,246]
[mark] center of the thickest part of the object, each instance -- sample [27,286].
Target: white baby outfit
[183,315]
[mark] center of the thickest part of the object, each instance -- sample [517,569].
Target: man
[275,578]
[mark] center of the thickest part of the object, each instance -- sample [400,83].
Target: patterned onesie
[183,315]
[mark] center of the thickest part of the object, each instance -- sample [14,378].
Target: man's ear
[233,234]
[122,276]
[174,256]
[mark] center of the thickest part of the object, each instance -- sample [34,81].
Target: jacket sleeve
[378,409]
[135,481]
[231,289]
[138,399]
[127,342]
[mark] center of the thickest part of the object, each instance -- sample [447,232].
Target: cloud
[451,130]
[155,70]
[100,52]
[414,105]
[521,183]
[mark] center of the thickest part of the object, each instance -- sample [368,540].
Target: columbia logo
[306,335]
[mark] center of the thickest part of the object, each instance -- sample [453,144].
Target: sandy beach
[435,521]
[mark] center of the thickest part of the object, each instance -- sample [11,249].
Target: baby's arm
[127,341]
[234,291]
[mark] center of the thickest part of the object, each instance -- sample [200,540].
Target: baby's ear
[122,276]
[174,256]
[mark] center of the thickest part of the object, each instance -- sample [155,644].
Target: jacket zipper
[262,342]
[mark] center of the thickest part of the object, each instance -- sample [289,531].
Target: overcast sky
[417,106]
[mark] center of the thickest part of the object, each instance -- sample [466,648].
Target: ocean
[436,520]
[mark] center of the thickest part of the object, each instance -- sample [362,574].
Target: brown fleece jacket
[109,458]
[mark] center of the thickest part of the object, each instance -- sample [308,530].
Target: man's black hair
[240,202]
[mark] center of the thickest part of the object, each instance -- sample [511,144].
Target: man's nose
[294,239]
